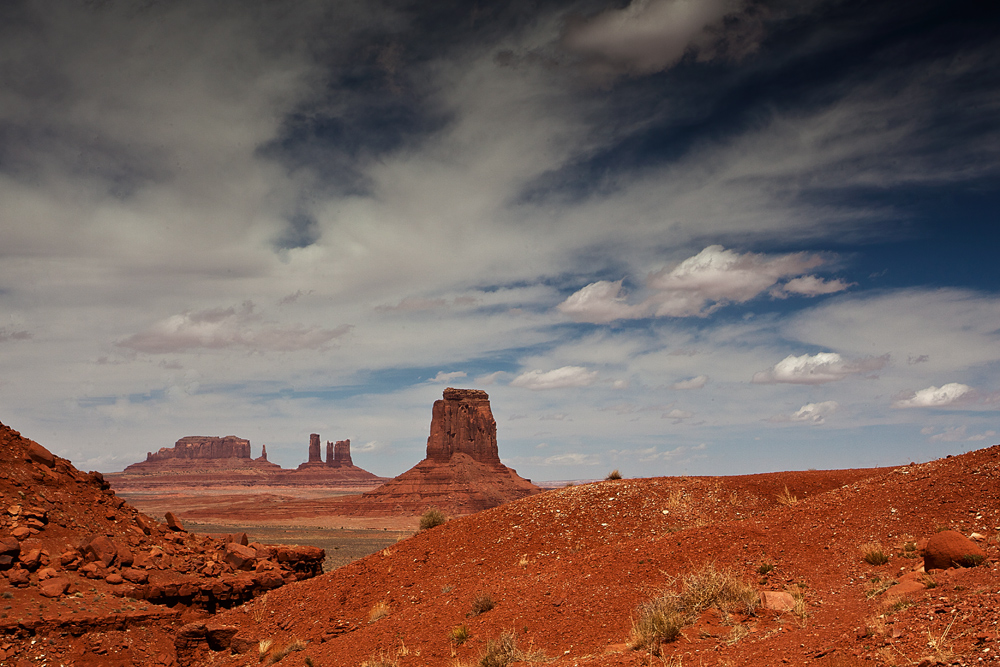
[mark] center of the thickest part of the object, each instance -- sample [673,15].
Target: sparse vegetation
[613,475]
[504,651]
[787,498]
[910,550]
[877,586]
[381,659]
[378,610]
[972,560]
[874,554]
[765,568]
[7,595]
[459,635]
[295,645]
[263,647]
[431,518]
[661,619]
[482,604]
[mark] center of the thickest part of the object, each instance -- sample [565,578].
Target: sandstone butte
[202,461]
[461,473]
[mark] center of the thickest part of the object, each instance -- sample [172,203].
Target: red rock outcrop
[69,534]
[202,453]
[341,454]
[462,473]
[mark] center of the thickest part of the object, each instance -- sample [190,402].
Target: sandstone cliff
[462,472]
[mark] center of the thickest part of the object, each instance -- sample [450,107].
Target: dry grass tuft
[431,518]
[877,586]
[378,610]
[613,475]
[786,498]
[482,604]
[294,645]
[504,651]
[459,635]
[380,659]
[661,619]
[263,647]
[874,554]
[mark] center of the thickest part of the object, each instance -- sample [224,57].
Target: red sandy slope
[567,569]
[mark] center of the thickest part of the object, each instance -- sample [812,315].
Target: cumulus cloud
[810,286]
[221,328]
[818,369]
[696,287]
[443,377]
[652,35]
[599,303]
[934,397]
[677,415]
[567,376]
[691,383]
[813,413]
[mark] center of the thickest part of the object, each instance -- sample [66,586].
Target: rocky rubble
[66,537]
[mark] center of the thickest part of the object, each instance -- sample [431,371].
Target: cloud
[599,303]
[652,35]
[222,328]
[934,397]
[814,413]
[677,415]
[810,286]
[567,376]
[443,377]
[958,434]
[696,287]
[6,335]
[691,383]
[817,369]
[412,303]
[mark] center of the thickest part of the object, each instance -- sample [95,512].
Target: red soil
[567,569]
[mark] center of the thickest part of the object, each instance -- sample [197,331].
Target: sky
[668,237]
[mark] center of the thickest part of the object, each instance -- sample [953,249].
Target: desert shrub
[378,610]
[263,647]
[482,604]
[500,652]
[294,645]
[459,635]
[786,498]
[765,568]
[874,554]
[431,518]
[877,586]
[661,619]
[614,474]
[972,560]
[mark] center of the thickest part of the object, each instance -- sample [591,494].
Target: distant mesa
[462,472]
[226,461]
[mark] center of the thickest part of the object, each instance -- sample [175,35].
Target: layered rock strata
[462,472]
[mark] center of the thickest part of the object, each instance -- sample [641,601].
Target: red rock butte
[462,472]
[226,461]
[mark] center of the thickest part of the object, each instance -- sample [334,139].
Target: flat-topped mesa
[338,455]
[462,422]
[203,447]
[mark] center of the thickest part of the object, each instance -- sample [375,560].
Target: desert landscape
[879,566]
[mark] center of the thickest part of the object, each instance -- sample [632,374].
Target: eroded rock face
[462,473]
[341,454]
[314,456]
[462,422]
[204,447]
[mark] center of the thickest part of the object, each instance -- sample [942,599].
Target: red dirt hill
[76,561]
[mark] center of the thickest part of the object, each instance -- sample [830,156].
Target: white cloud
[810,286]
[934,397]
[817,369]
[678,415]
[567,376]
[219,328]
[692,383]
[647,35]
[694,288]
[600,302]
[959,434]
[443,377]
[814,413]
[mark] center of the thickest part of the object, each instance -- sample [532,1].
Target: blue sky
[666,236]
